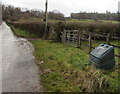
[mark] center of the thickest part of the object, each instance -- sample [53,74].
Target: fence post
[108,38]
[68,36]
[62,37]
[118,54]
[64,40]
[79,40]
[67,40]
[90,42]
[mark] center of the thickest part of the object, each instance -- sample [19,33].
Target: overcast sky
[67,6]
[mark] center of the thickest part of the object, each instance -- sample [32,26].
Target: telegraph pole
[46,17]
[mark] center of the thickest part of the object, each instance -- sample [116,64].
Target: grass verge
[58,59]
[65,69]
[20,32]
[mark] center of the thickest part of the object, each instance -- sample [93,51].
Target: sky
[67,6]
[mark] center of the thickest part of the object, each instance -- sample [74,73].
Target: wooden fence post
[64,36]
[90,43]
[79,40]
[108,38]
[68,36]
[118,54]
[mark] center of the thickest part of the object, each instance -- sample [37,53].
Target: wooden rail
[75,38]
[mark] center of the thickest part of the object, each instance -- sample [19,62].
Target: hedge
[55,29]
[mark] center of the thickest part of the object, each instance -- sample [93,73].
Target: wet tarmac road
[19,72]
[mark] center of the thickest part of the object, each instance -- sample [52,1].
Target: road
[19,71]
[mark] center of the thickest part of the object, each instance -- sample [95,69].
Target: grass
[31,19]
[97,43]
[57,58]
[91,21]
[34,19]
[55,51]
[66,69]
[108,21]
[21,32]
[81,20]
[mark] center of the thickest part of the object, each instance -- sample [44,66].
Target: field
[91,21]
[33,19]
[66,69]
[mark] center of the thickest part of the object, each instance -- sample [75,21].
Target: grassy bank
[58,59]
[20,32]
[66,69]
